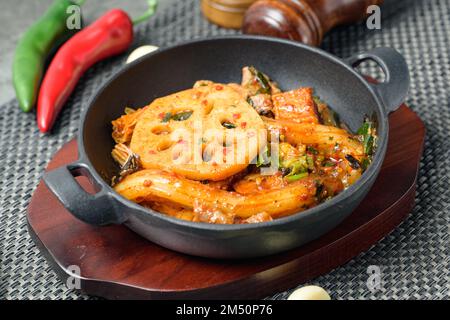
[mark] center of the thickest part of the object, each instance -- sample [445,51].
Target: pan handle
[394,89]
[97,209]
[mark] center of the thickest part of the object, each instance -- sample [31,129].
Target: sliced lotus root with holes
[206,133]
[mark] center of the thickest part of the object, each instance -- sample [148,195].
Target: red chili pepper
[111,34]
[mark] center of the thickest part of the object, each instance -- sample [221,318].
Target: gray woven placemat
[413,260]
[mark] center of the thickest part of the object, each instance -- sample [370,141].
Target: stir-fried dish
[237,153]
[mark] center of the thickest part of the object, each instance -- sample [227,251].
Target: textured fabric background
[414,259]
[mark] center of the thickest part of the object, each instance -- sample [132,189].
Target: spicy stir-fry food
[237,153]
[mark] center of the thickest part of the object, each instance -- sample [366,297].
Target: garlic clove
[140,51]
[309,293]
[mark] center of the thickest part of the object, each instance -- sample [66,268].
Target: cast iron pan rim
[340,198]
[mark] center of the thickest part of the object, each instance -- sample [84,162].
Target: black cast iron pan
[220,59]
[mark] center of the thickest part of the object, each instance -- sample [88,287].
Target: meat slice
[262,103]
[297,105]
[259,88]
[257,82]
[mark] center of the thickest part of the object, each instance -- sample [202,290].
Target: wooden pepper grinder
[306,21]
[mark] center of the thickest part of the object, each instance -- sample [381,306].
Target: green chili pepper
[34,48]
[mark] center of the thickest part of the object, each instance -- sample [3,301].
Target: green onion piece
[367,136]
[368,144]
[320,191]
[166,117]
[263,157]
[310,162]
[365,164]
[296,177]
[364,129]
[129,110]
[265,86]
[312,150]
[250,102]
[264,83]
[181,116]
[317,100]
[228,125]
[328,164]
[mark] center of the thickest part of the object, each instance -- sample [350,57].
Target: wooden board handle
[303,20]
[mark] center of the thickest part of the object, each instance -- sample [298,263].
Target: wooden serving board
[117,263]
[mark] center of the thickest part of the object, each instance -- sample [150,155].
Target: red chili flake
[236,115]
[151,151]
[205,102]
[181,141]
[147,183]
[243,124]
[219,87]
[225,151]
